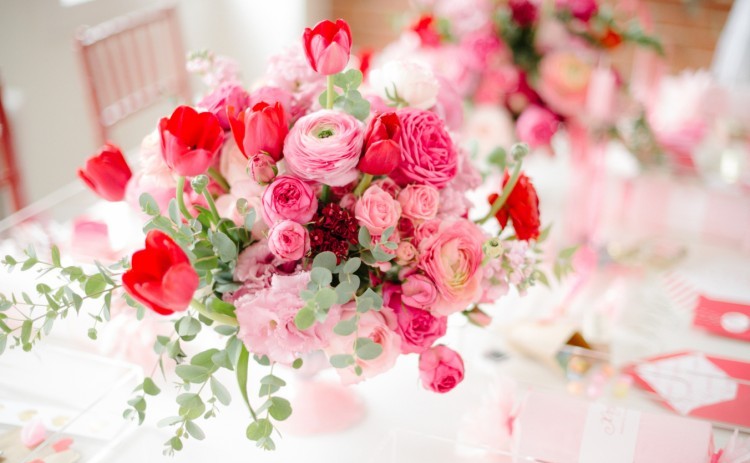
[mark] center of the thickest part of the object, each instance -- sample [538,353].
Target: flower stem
[504,196]
[325,193]
[218,178]
[181,199]
[363,184]
[329,92]
[212,205]
[217,317]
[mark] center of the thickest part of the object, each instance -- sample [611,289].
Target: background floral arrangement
[292,219]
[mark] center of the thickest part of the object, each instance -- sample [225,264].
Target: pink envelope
[723,318]
[698,385]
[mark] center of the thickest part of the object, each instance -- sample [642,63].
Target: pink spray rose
[377,210]
[418,328]
[225,95]
[452,258]
[440,368]
[418,291]
[536,126]
[405,253]
[266,320]
[427,152]
[419,202]
[288,240]
[564,81]
[289,198]
[324,147]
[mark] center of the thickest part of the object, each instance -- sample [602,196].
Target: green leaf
[175,443]
[225,330]
[94,286]
[149,387]
[273,380]
[192,373]
[225,247]
[194,430]
[325,260]
[364,237]
[168,421]
[266,443]
[92,334]
[26,331]
[367,349]
[220,392]
[567,253]
[341,360]
[364,304]
[204,359]
[242,375]
[544,234]
[380,255]
[321,275]
[280,408]
[55,251]
[326,298]
[259,429]
[188,327]
[191,405]
[498,157]
[304,318]
[148,204]
[352,265]
[4,343]
[386,234]
[249,219]
[173,210]
[346,327]
[297,364]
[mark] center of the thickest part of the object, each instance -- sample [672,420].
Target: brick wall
[689,30]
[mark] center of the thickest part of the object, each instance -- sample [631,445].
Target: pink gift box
[553,427]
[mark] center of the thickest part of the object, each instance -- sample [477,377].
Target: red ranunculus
[522,207]
[382,151]
[107,173]
[190,140]
[261,128]
[610,39]
[328,46]
[425,29]
[161,276]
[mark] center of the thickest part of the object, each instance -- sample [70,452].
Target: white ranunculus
[413,82]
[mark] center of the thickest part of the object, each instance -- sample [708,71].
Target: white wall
[50,119]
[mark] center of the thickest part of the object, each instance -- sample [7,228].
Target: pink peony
[418,328]
[324,147]
[419,202]
[225,95]
[288,198]
[266,320]
[418,291]
[427,152]
[564,81]
[536,126]
[377,210]
[441,369]
[452,258]
[371,325]
[288,240]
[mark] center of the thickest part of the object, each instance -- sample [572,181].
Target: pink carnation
[266,320]
[289,198]
[324,147]
[452,258]
[377,211]
[419,202]
[288,240]
[427,152]
[418,328]
[536,126]
[255,267]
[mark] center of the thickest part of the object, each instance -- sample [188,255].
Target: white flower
[408,80]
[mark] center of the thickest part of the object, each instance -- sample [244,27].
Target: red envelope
[723,318]
[698,385]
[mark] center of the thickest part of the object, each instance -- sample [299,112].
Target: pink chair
[131,63]
[9,176]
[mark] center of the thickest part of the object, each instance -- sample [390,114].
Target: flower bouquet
[287,225]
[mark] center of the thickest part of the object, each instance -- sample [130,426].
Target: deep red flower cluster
[333,229]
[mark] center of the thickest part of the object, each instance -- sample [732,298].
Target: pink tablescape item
[107,173]
[90,239]
[190,140]
[729,319]
[552,427]
[33,433]
[327,46]
[324,408]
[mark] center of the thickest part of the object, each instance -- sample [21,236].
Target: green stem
[363,184]
[218,178]
[504,196]
[329,93]
[325,193]
[241,371]
[217,317]
[181,199]
[212,205]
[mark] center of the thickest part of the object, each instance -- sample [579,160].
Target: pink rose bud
[418,291]
[328,46]
[440,369]
[260,128]
[107,173]
[288,240]
[262,168]
[382,151]
[405,253]
[288,198]
[536,126]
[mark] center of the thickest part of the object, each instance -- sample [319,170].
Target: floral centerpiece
[290,224]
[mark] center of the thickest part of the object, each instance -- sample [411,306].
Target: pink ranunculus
[418,291]
[536,126]
[428,155]
[452,258]
[418,328]
[563,82]
[324,147]
[225,95]
[289,198]
[374,326]
[440,369]
[377,210]
[266,320]
[419,202]
[405,253]
[288,240]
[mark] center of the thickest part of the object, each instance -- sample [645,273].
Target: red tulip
[261,128]
[382,150]
[161,276]
[328,46]
[190,140]
[107,173]
[522,207]
[425,27]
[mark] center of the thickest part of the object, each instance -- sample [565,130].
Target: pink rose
[418,291]
[288,198]
[324,147]
[419,202]
[427,152]
[441,369]
[405,253]
[579,9]
[452,258]
[372,325]
[425,231]
[288,240]
[389,186]
[266,320]
[536,126]
[564,81]
[418,328]
[377,210]
[225,95]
